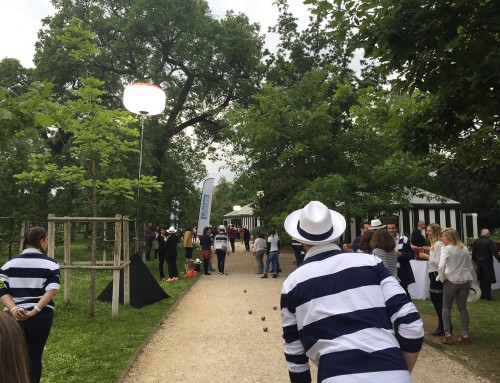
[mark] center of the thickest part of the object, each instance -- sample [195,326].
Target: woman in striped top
[28,284]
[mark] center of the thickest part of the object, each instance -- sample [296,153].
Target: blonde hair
[436,233]
[452,235]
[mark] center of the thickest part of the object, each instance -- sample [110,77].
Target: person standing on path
[28,285]
[483,251]
[273,251]
[246,238]
[221,249]
[344,311]
[206,249]
[232,233]
[259,248]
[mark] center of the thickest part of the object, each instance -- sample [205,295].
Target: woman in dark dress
[171,254]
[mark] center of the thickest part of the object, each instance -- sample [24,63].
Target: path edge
[140,349]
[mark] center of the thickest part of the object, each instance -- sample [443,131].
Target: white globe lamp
[145,100]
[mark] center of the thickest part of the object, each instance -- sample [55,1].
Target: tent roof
[424,197]
[245,210]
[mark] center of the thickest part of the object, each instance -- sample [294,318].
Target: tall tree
[450,50]
[204,64]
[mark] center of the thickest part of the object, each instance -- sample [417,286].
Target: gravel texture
[211,336]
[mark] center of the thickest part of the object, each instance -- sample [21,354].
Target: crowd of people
[452,266]
[357,292]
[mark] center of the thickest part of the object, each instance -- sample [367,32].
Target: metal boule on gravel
[275,307]
[265,329]
[263,318]
[249,311]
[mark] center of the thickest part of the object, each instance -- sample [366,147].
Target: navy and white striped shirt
[350,317]
[220,241]
[28,276]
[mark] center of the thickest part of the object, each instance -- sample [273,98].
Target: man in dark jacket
[365,225]
[483,251]
[405,255]
[417,238]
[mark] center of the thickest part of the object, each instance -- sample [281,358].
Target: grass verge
[483,352]
[83,349]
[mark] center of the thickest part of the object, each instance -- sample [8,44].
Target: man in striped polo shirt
[344,311]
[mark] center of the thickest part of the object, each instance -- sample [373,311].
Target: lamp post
[143,99]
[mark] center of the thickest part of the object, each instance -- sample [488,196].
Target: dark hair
[381,239]
[205,230]
[362,224]
[33,237]
[272,232]
[364,242]
[188,228]
[13,355]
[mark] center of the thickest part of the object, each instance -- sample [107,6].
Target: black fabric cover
[144,289]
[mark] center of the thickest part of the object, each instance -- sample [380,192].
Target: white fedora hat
[376,224]
[315,224]
[474,293]
[171,230]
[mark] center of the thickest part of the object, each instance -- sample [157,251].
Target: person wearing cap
[221,249]
[344,312]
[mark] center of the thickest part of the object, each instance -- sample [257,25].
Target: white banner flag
[206,204]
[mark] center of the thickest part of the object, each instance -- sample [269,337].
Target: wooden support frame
[121,256]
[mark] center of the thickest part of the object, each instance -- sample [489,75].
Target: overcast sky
[20,21]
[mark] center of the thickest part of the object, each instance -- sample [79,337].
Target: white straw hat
[315,224]
[376,224]
[474,293]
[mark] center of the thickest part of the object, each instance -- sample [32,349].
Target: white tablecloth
[420,289]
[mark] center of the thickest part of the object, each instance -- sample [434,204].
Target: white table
[420,289]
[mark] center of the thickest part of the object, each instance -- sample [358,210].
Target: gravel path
[210,336]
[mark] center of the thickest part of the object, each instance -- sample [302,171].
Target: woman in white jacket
[455,271]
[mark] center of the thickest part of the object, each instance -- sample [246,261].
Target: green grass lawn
[98,349]
[483,352]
